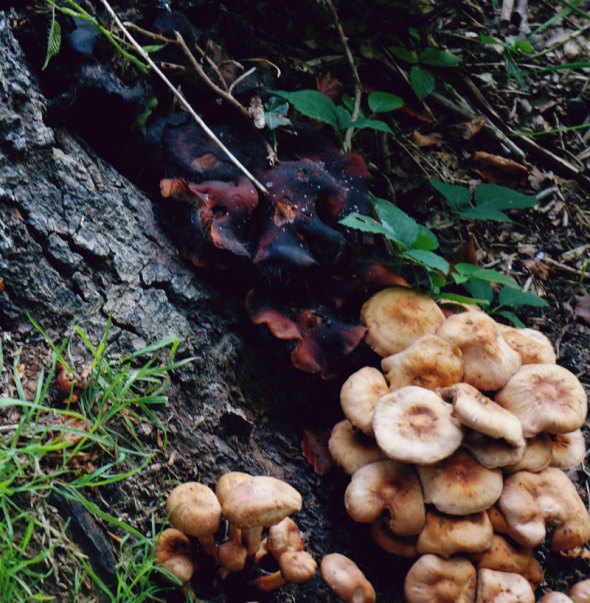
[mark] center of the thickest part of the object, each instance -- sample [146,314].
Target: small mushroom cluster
[459,447]
[249,504]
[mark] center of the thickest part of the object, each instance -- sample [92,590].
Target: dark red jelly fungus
[321,338]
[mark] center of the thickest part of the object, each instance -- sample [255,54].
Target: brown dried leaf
[468,129]
[314,447]
[493,166]
[329,86]
[582,309]
[425,140]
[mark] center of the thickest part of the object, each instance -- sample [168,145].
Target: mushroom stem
[251,539]
[271,581]
[210,547]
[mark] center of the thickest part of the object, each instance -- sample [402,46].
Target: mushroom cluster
[248,504]
[457,449]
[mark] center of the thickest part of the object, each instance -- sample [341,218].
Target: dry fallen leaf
[494,166]
[425,140]
[468,129]
[314,447]
[583,307]
[329,86]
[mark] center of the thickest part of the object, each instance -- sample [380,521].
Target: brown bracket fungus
[345,578]
[358,397]
[414,425]
[499,587]
[568,450]
[173,553]
[530,501]
[259,502]
[545,397]
[430,362]
[445,535]
[194,509]
[459,485]
[435,580]
[488,361]
[352,449]
[387,485]
[396,317]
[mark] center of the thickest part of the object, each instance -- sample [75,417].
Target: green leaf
[502,197]
[373,124]
[151,48]
[459,197]
[483,212]
[414,33]
[53,41]
[276,113]
[364,224]
[484,274]
[421,81]
[437,280]
[479,289]
[461,299]
[312,103]
[402,229]
[344,118]
[429,259]
[512,318]
[426,239]
[405,54]
[523,46]
[489,40]
[381,102]
[509,296]
[439,58]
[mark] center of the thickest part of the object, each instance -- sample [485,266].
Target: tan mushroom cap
[227,482]
[536,457]
[533,346]
[530,501]
[284,537]
[387,485]
[581,591]
[445,535]
[494,586]
[568,450]
[396,317]
[194,509]
[297,566]
[480,413]
[490,452]
[383,537]
[261,501]
[545,397]
[555,597]
[504,555]
[359,394]
[430,362]
[232,556]
[459,485]
[435,580]
[346,580]
[173,553]
[488,361]
[415,425]
[352,449]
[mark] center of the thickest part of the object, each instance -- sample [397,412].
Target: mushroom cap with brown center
[568,450]
[488,361]
[387,485]
[480,413]
[173,553]
[533,346]
[415,425]
[351,449]
[445,535]
[430,362]
[261,501]
[433,579]
[459,485]
[396,317]
[345,578]
[494,586]
[194,509]
[359,394]
[545,397]
[530,501]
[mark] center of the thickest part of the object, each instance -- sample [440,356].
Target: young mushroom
[173,553]
[430,362]
[194,509]
[414,425]
[224,485]
[433,579]
[259,502]
[295,566]
[345,578]
[351,449]
[396,317]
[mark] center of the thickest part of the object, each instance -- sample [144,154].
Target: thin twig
[213,66]
[358,87]
[181,98]
[241,78]
[197,67]
[582,274]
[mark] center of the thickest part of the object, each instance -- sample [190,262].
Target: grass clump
[51,451]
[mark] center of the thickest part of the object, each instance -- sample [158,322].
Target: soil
[241,406]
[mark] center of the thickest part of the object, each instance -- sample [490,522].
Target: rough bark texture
[77,240]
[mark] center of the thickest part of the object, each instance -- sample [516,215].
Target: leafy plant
[318,106]
[510,51]
[488,202]
[422,79]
